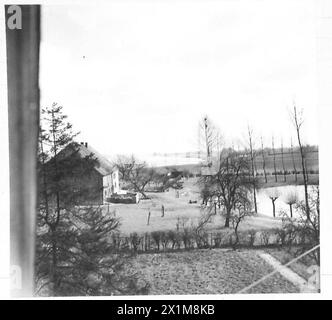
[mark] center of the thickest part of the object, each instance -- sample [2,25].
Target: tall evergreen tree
[73,254]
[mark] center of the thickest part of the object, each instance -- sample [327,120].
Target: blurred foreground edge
[22,44]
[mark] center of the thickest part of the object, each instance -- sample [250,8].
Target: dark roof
[103,166]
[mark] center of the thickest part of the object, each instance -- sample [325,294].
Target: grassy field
[215,271]
[134,217]
[311,161]
[300,267]
[199,271]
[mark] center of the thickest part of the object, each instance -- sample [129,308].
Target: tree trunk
[143,194]
[263,156]
[252,158]
[298,125]
[291,210]
[274,208]
[53,274]
[255,201]
[264,170]
[293,160]
[283,163]
[236,237]
[228,216]
[304,178]
[274,161]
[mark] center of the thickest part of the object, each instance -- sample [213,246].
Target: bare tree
[211,138]
[273,194]
[125,165]
[242,210]
[293,160]
[252,160]
[274,160]
[230,181]
[264,162]
[308,230]
[298,122]
[136,174]
[164,182]
[139,178]
[291,199]
[204,219]
[282,160]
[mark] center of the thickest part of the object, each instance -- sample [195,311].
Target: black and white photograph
[162,148]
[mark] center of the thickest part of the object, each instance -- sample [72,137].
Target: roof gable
[103,165]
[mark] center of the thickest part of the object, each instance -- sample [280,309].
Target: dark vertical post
[23,118]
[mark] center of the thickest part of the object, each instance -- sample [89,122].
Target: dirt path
[286,272]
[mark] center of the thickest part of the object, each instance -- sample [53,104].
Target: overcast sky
[136,77]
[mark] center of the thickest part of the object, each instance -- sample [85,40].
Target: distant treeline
[287,160]
[291,160]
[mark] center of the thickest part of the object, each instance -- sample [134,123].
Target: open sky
[136,77]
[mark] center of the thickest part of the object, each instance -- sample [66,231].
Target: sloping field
[133,217]
[215,271]
[311,161]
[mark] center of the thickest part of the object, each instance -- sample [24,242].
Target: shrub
[281,236]
[217,240]
[251,237]
[156,237]
[134,241]
[201,239]
[187,238]
[265,238]
[164,239]
[306,228]
[174,238]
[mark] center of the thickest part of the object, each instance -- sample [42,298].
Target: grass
[133,217]
[215,271]
[290,180]
[311,161]
[300,267]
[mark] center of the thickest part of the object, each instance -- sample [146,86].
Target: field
[215,271]
[311,161]
[313,179]
[300,267]
[133,217]
[202,271]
